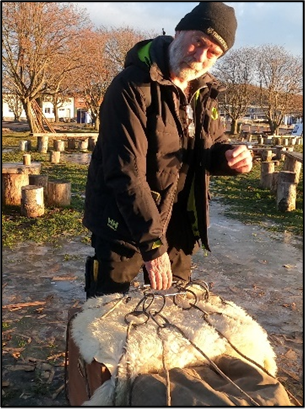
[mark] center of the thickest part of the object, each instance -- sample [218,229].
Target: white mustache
[193,64]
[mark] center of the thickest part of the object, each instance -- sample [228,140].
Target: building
[72,108]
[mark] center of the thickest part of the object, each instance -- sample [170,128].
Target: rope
[148,301]
[213,364]
[150,306]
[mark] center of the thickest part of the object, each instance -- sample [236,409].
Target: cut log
[83,145]
[274,182]
[267,169]
[286,191]
[39,180]
[266,155]
[59,145]
[42,144]
[58,193]
[32,201]
[55,157]
[11,187]
[279,152]
[92,143]
[71,144]
[25,145]
[26,159]
[260,140]
[293,165]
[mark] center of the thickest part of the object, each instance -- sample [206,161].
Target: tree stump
[266,155]
[54,156]
[260,140]
[25,145]
[267,169]
[279,152]
[291,164]
[278,141]
[83,145]
[274,182]
[59,193]
[92,143]
[39,180]
[42,144]
[11,187]
[32,201]
[71,144]
[59,145]
[285,142]
[286,191]
[26,159]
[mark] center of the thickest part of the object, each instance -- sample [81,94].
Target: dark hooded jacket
[145,162]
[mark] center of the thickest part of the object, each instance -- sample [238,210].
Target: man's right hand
[160,273]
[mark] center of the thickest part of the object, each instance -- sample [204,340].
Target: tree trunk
[233,130]
[31,121]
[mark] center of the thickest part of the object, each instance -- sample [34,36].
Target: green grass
[251,204]
[243,196]
[56,223]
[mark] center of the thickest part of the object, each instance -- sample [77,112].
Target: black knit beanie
[215,19]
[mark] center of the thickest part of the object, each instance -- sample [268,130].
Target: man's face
[192,54]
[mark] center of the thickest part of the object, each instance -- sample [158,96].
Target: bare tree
[237,71]
[40,45]
[104,57]
[281,83]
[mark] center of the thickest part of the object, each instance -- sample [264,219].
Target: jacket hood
[147,52]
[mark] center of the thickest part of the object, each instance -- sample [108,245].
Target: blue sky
[275,23]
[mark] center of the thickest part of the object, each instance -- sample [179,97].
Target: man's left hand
[239,159]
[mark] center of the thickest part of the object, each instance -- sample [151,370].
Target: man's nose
[201,54]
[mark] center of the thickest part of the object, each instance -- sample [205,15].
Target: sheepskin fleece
[139,351]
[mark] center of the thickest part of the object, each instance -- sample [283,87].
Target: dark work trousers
[119,264]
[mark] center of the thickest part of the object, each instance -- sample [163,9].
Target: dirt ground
[260,271]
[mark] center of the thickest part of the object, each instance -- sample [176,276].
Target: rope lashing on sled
[148,308]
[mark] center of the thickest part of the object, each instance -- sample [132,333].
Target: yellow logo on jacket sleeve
[215,114]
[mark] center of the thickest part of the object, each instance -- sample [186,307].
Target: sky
[259,23]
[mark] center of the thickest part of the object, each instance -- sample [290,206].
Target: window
[47,110]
